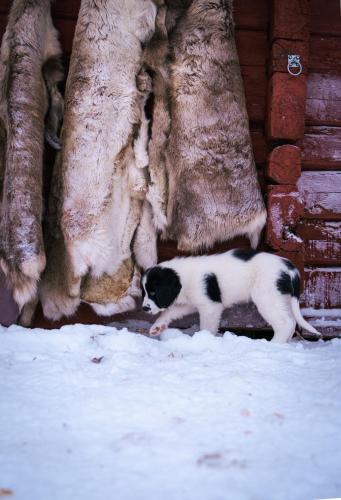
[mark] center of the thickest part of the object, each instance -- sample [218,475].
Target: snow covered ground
[91,412]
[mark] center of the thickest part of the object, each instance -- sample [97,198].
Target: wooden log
[320,148]
[260,149]
[255,84]
[282,48]
[323,104]
[286,107]
[255,39]
[322,241]
[325,17]
[290,19]
[284,212]
[325,54]
[284,164]
[321,194]
[252,15]
[322,287]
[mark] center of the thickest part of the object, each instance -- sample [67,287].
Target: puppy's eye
[152,294]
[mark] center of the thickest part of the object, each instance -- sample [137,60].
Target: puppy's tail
[299,318]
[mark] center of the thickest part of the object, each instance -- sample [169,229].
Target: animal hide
[154,218]
[214,193]
[100,175]
[30,103]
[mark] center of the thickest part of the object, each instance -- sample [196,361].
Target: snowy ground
[90,412]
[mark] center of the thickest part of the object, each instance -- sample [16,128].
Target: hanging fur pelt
[100,175]
[154,217]
[30,103]
[214,193]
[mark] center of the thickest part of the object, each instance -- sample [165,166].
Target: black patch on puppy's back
[289,264]
[296,285]
[162,286]
[288,285]
[212,287]
[244,254]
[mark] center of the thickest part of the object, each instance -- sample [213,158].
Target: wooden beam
[284,164]
[322,287]
[290,19]
[321,148]
[322,241]
[321,194]
[323,105]
[284,212]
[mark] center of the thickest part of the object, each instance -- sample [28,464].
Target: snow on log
[323,105]
[322,241]
[321,194]
[322,287]
[321,148]
[284,212]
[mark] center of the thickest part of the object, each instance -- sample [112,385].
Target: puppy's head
[160,288]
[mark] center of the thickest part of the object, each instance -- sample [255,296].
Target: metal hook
[294,63]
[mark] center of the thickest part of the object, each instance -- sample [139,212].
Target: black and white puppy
[209,284]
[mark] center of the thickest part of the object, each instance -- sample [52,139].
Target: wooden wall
[320,182]
[262,54]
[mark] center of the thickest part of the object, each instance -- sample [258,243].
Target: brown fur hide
[100,179]
[214,193]
[29,72]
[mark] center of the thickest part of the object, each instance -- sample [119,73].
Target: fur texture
[101,170]
[28,96]
[214,193]
[209,284]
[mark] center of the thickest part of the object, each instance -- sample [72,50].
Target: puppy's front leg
[170,314]
[210,317]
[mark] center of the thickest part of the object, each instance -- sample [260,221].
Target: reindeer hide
[101,169]
[213,188]
[29,72]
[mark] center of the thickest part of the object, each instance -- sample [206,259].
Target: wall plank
[321,148]
[322,287]
[258,41]
[325,54]
[322,241]
[321,194]
[323,104]
[252,15]
[325,17]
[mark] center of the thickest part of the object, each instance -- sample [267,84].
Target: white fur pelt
[30,104]
[213,188]
[101,172]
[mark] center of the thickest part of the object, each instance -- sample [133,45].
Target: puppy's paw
[157,329]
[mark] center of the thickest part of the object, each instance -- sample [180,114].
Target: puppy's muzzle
[146,308]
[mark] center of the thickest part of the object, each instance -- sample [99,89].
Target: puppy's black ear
[163,286]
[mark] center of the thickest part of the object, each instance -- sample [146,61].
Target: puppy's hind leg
[277,312]
[210,317]
[170,314]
